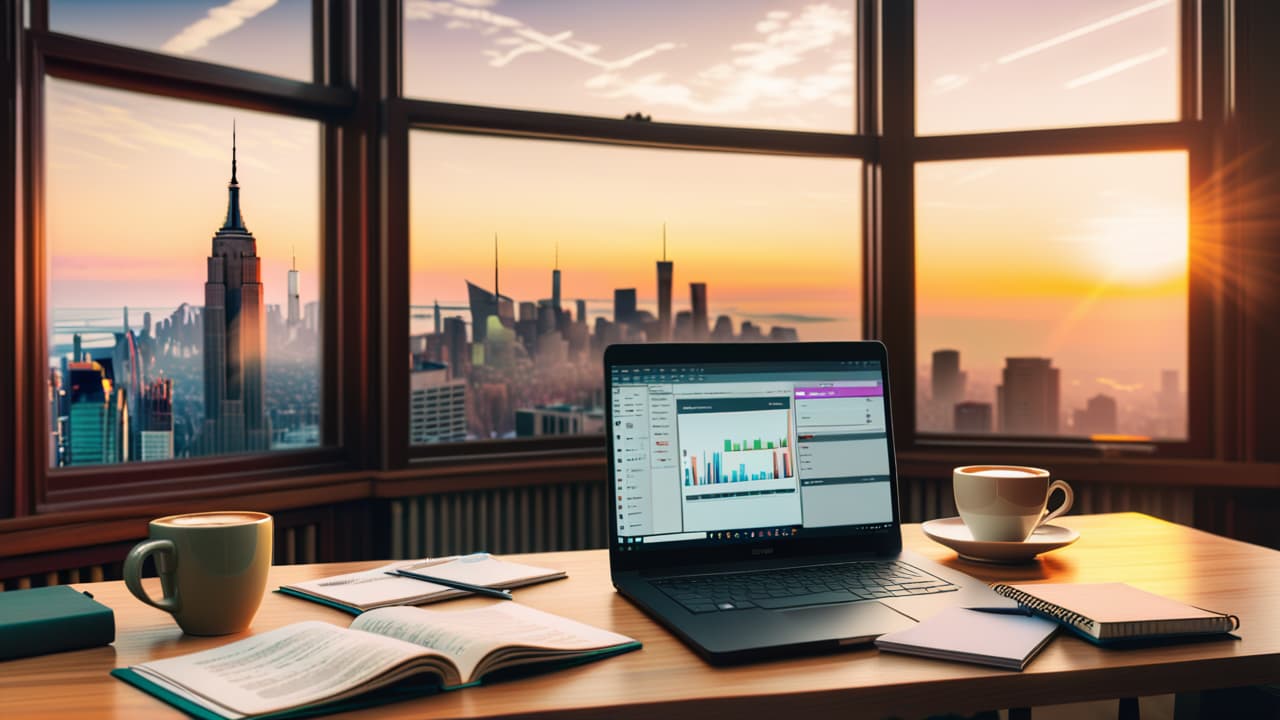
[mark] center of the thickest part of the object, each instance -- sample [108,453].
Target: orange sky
[1083,258]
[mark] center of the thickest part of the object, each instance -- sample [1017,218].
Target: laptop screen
[725,453]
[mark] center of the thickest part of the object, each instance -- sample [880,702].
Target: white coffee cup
[1006,503]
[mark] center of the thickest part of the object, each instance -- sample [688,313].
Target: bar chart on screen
[737,462]
[742,440]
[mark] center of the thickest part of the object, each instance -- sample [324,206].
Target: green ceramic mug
[212,566]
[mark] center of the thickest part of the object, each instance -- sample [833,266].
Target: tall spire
[234,220]
[496,296]
[664,242]
[557,265]
[293,250]
[233,152]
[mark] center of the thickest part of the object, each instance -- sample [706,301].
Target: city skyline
[195,382]
[1082,259]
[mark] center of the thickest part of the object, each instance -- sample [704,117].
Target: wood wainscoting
[539,518]
[550,516]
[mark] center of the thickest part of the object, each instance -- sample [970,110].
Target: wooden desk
[666,680]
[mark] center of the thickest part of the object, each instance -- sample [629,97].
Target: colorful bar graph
[711,471]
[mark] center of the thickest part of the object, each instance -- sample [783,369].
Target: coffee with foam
[212,519]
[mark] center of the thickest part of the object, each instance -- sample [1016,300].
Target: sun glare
[1140,248]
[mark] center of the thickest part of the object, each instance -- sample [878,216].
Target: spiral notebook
[1112,613]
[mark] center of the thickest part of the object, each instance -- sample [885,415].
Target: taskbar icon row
[753,534]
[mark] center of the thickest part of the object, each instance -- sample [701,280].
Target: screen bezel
[883,542]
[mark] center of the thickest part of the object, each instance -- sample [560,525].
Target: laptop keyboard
[796,587]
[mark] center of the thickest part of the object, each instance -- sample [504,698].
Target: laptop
[755,498]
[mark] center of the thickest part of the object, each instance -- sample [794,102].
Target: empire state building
[235,417]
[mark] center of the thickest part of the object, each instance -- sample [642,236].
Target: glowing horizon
[136,184]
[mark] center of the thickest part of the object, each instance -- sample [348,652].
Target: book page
[468,636]
[300,664]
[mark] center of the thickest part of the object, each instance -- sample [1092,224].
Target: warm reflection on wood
[665,678]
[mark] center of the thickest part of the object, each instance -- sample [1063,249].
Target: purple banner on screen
[820,393]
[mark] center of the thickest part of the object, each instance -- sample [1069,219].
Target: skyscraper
[555,281]
[624,305]
[698,300]
[458,352]
[437,405]
[155,421]
[99,417]
[1099,417]
[948,381]
[666,270]
[1027,399]
[972,417]
[294,317]
[235,419]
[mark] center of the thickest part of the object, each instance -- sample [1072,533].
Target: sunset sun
[1139,248]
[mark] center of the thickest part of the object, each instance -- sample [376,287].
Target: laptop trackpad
[846,623]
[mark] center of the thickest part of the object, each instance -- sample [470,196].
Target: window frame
[366,121]
[406,115]
[329,100]
[1201,105]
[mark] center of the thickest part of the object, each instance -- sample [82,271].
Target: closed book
[1117,613]
[52,619]
[1001,639]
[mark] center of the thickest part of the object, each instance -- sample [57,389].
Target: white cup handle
[1066,501]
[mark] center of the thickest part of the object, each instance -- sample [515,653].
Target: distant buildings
[698,303]
[294,318]
[560,419]
[972,418]
[666,272]
[947,380]
[1027,398]
[235,418]
[437,405]
[1099,417]
[98,416]
[624,305]
[154,425]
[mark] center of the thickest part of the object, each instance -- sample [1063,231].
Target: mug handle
[166,567]
[1066,501]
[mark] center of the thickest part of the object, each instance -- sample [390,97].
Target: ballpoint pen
[1002,610]
[455,584]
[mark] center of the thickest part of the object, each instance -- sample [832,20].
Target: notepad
[362,591]
[1105,613]
[1003,640]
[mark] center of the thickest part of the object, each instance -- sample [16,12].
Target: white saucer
[953,533]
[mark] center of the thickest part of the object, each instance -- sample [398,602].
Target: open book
[361,591]
[314,666]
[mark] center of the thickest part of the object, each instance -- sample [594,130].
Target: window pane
[1052,295]
[756,247]
[170,286]
[782,64]
[270,36]
[1006,64]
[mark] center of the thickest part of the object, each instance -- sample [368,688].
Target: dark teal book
[52,619]
[386,655]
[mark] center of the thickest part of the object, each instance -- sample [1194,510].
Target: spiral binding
[1047,608]
[1089,625]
